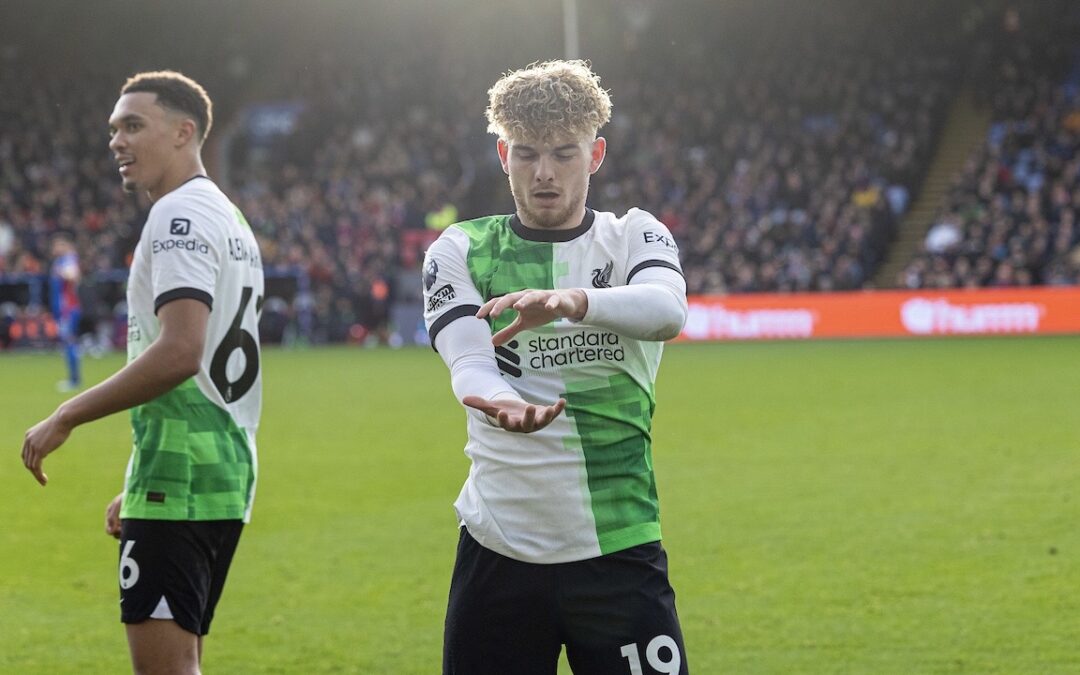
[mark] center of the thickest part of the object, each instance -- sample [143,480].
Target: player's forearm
[655,310]
[465,346]
[156,371]
[475,375]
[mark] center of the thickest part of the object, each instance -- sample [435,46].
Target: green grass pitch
[830,507]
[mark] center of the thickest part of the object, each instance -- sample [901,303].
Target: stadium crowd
[1010,218]
[787,180]
[781,164]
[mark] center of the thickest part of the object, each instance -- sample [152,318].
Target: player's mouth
[545,196]
[125,164]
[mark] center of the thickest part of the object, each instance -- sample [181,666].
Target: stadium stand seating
[780,159]
[1010,216]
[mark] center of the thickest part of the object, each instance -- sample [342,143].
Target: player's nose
[545,169]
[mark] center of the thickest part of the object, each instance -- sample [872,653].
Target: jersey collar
[198,175]
[533,234]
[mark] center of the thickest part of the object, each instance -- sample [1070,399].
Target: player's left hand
[41,439]
[534,308]
[112,516]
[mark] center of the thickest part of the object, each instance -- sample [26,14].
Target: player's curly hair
[549,100]
[178,92]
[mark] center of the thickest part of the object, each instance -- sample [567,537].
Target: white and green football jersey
[194,454]
[584,485]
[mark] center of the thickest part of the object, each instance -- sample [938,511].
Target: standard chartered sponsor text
[580,347]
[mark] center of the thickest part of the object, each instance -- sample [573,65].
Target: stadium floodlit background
[836,506]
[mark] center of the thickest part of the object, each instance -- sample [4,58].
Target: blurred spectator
[943,236]
[65,278]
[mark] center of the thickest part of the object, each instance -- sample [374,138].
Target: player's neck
[179,174]
[573,220]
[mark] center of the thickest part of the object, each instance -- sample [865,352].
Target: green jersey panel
[192,461]
[500,262]
[613,419]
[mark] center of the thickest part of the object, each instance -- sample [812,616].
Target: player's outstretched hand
[514,415]
[112,516]
[534,308]
[41,439]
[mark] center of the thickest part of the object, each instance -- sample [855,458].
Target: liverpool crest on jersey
[601,276]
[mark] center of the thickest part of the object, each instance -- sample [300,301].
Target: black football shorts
[615,614]
[175,569]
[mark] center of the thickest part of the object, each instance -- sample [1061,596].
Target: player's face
[143,141]
[550,180]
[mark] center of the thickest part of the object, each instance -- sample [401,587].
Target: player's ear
[504,153]
[597,154]
[186,131]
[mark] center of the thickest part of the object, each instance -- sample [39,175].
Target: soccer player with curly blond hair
[552,321]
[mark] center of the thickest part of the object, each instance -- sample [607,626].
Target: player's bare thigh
[162,647]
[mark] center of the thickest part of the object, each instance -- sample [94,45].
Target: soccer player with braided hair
[193,381]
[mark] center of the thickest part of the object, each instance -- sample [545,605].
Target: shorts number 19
[652,654]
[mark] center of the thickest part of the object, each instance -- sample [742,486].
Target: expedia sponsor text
[193,245]
[657,238]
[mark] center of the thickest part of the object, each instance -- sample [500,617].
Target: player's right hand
[41,439]
[515,415]
[112,516]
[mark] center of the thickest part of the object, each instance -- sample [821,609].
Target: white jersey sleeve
[449,291]
[651,245]
[186,246]
[463,341]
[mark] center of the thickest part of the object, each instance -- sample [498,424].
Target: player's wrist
[65,417]
[580,302]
